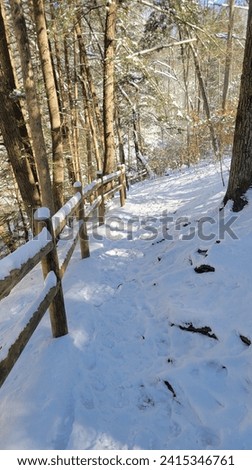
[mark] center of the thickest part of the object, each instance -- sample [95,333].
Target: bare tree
[13,127]
[38,141]
[53,104]
[109,86]
[229,53]
[93,120]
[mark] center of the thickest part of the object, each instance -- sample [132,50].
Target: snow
[65,211]
[127,376]
[18,258]
[8,334]
[77,184]
[114,175]
[42,213]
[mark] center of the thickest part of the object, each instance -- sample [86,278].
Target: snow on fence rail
[43,249]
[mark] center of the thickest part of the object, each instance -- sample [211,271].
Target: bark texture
[33,109]
[13,128]
[109,87]
[240,179]
[53,104]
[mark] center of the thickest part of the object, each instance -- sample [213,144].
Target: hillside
[158,355]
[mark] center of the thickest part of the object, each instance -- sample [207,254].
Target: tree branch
[159,48]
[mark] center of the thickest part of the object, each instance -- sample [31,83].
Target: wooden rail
[43,249]
[139,176]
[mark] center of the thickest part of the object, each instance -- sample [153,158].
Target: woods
[85,87]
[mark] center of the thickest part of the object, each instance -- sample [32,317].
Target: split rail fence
[42,248]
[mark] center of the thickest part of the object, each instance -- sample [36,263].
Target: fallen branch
[170,388]
[160,47]
[204,330]
[245,340]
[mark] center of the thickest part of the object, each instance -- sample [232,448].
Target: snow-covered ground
[128,376]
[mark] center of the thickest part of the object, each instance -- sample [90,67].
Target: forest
[84,86]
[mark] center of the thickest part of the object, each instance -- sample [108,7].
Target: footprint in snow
[145,401]
[90,360]
[120,398]
[98,385]
[207,439]
[217,367]
[174,429]
[87,399]
[162,346]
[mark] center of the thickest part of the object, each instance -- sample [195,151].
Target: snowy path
[126,377]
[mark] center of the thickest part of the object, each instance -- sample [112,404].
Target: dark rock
[202,252]
[245,340]
[204,268]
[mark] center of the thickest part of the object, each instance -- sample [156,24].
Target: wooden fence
[42,248]
[139,176]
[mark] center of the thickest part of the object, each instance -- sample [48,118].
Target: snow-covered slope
[157,355]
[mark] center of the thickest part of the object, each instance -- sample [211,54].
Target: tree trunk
[240,178]
[205,100]
[53,104]
[68,104]
[109,87]
[17,103]
[88,108]
[11,125]
[34,115]
[229,52]
[71,90]
[76,132]
[215,143]
[89,79]
[122,158]
[62,95]
[185,57]
[89,124]
[135,137]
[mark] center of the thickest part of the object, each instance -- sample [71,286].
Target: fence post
[51,263]
[84,245]
[122,182]
[101,210]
